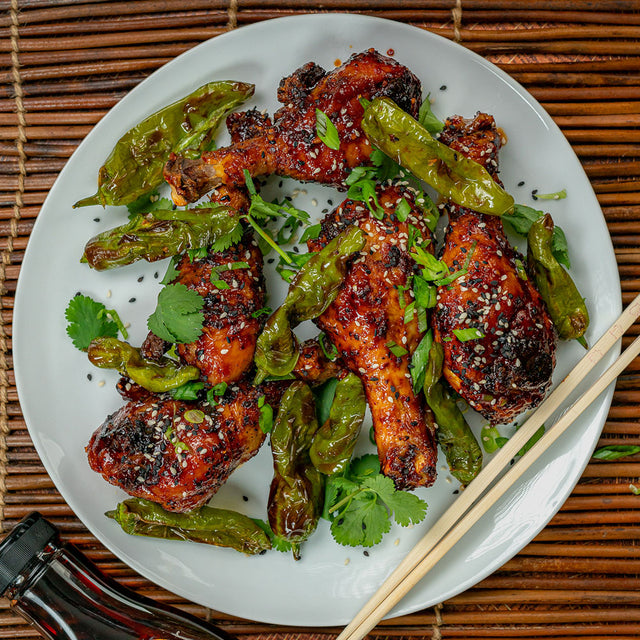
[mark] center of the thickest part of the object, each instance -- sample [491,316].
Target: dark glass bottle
[66,597]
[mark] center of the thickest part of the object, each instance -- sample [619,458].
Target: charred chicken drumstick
[507,368]
[176,453]
[290,145]
[367,319]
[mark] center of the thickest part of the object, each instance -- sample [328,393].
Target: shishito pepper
[313,289]
[463,453]
[135,164]
[297,489]
[159,234]
[111,353]
[565,304]
[219,527]
[451,174]
[334,442]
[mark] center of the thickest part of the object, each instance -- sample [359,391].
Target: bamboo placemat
[65,63]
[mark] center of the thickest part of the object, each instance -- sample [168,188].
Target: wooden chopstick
[460,517]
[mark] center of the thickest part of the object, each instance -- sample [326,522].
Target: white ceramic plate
[62,406]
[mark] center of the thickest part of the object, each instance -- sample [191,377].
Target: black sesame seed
[270,260]
[521,183]
[132,299]
[443,87]
[365,553]
[245,498]
[96,219]
[141,278]
[89,376]
[156,275]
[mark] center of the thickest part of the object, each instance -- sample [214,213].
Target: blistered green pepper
[313,289]
[297,489]
[460,447]
[333,443]
[565,304]
[451,174]
[219,527]
[157,235]
[111,353]
[134,166]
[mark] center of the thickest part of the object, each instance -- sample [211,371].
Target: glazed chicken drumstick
[177,453]
[506,367]
[367,319]
[290,145]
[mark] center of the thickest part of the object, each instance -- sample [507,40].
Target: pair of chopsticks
[488,486]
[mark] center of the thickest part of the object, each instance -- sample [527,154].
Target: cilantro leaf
[87,320]
[312,232]
[407,508]
[364,466]
[363,523]
[187,391]
[172,273]
[233,237]
[386,167]
[178,316]
[148,202]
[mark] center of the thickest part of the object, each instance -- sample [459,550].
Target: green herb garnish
[396,349]
[464,335]
[615,451]
[420,360]
[361,503]
[178,316]
[187,391]
[326,130]
[88,319]
[265,420]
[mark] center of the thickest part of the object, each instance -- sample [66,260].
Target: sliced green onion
[464,335]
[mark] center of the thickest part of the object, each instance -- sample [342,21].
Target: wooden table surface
[67,62]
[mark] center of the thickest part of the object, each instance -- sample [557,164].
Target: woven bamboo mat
[65,63]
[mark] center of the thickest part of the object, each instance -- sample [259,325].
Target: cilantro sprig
[88,319]
[178,316]
[362,503]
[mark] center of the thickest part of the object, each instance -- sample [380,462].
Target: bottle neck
[66,598]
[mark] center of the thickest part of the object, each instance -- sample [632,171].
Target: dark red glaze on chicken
[176,453]
[367,318]
[313,365]
[509,368]
[225,349]
[290,146]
